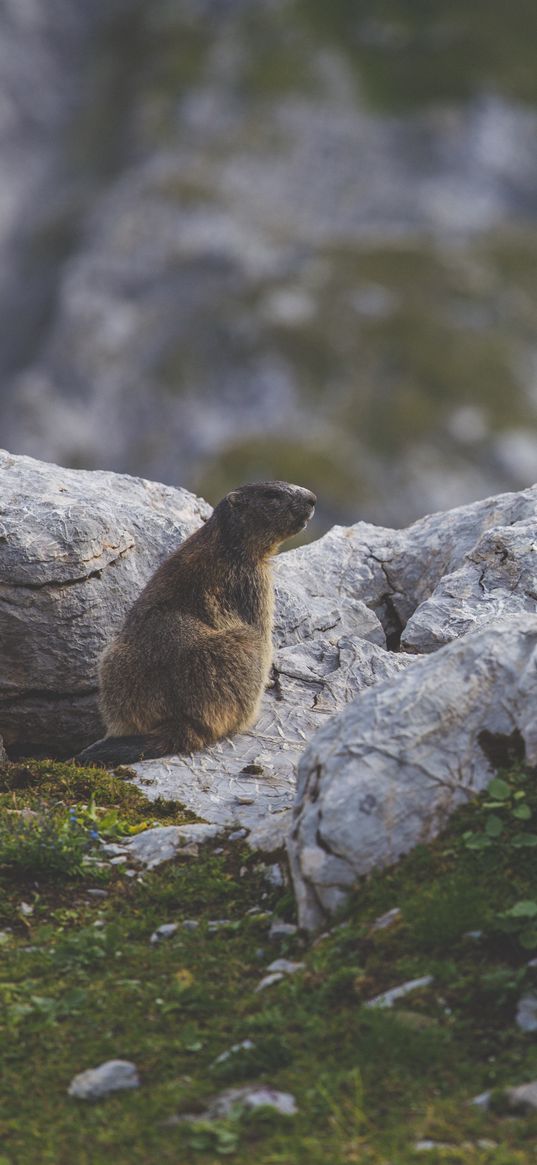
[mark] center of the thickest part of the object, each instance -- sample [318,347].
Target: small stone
[238,835]
[523,1097]
[281,929]
[121,860]
[26,909]
[526,1014]
[388,998]
[269,980]
[286,966]
[486,1143]
[108,1077]
[5,936]
[384,921]
[473,934]
[99,923]
[164,931]
[252,1097]
[483,1100]
[190,924]
[218,924]
[244,1046]
[131,874]
[426,1146]
[260,953]
[97,893]
[274,875]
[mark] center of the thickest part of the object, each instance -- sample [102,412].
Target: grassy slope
[368,1083]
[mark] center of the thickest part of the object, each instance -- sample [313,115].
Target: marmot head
[260,516]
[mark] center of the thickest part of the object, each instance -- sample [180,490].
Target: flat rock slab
[386,773]
[249,781]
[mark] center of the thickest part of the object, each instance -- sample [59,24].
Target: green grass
[368,1083]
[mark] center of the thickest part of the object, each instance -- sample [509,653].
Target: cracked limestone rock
[249,780]
[76,548]
[386,772]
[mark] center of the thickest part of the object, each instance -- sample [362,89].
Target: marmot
[193,657]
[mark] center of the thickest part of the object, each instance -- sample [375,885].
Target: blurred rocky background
[291,238]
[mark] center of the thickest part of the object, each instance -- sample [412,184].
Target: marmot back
[192,659]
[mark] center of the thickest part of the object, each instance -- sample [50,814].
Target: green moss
[368,1083]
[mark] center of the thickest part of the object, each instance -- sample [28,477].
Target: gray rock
[243,1046]
[385,921]
[279,929]
[270,980]
[252,1096]
[161,844]
[427,1146]
[111,1076]
[388,998]
[387,771]
[275,875]
[498,578]
[523,1097]
[166,930]
[248,781]
[286,966]
[526,1013]
[76,548]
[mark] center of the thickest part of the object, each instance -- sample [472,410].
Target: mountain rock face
[296,244]
[395,688]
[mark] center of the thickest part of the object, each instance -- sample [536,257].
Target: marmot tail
[124,750]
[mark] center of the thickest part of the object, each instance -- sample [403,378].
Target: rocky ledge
[386,741]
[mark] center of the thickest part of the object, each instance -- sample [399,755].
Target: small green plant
[45,845]
[521,920]
[504,815]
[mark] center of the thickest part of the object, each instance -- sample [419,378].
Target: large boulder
[386,772]
[76,548]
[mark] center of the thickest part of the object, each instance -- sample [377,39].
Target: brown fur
[193,657]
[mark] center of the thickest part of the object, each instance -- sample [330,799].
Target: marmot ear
[233,497]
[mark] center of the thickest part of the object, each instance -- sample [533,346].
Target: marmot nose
[309,497]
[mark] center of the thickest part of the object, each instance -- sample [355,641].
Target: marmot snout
[193,657]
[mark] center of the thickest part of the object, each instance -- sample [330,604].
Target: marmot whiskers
[193,657]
